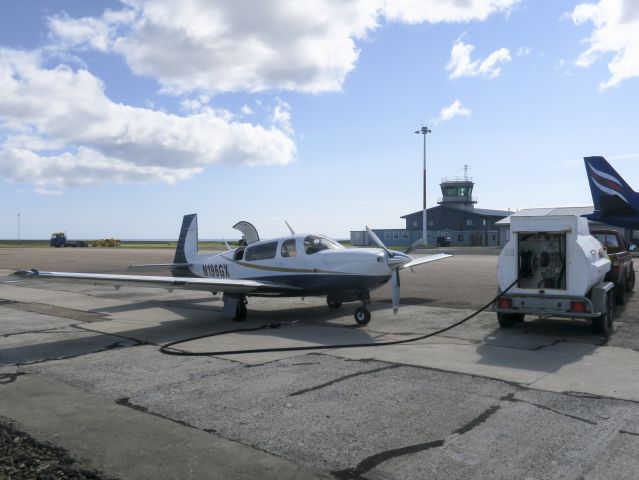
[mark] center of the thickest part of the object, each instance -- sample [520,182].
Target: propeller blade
[413,246]
[395,286]
[379,243]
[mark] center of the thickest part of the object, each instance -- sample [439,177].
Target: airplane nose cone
[398,259]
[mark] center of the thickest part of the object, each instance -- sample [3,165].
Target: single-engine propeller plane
[292,266]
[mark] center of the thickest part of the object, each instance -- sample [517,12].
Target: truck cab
[58,239]
[622,271]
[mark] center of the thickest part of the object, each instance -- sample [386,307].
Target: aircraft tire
[332,302]
[241,312]
[362,316]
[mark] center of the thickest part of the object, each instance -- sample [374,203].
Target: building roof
[539,212]
[482,212]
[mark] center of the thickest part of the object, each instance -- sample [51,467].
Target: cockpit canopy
[317,243]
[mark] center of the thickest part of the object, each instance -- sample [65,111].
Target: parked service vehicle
[554,268]
[622,271]
[59,239]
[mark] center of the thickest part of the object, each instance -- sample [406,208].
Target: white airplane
[292,266]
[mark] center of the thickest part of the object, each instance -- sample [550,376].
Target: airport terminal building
[454,221]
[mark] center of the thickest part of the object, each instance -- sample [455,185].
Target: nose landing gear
[362,314]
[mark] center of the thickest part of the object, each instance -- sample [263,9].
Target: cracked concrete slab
[131,444]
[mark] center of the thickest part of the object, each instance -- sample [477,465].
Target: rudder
[187,246]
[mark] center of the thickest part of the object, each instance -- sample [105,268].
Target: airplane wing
[428,258]
[187,283]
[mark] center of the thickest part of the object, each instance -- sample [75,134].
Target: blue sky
[116,118]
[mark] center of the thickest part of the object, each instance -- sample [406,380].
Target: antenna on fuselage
[289,227]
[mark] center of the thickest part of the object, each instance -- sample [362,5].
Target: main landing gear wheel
[241,310]
[362,316]
[332,302]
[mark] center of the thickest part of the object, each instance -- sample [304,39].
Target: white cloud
[281,116]
[460,64]
[97,33]
[222,46]
[44,191]
[455,109]
[435,11]
[61,129]
[523,51]
[616,23]
[246,110]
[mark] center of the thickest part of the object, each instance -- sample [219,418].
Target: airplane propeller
[413,246]
[379,242]
[395,264]
[395,286]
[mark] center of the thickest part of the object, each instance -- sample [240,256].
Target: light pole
[18,227]
[424,131]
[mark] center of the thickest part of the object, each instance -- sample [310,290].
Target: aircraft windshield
[314,244]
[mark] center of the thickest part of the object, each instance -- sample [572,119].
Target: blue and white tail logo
[608,184]
[614,201]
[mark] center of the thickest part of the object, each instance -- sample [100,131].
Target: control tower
[458,191]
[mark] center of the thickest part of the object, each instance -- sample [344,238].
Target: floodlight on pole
[424,131]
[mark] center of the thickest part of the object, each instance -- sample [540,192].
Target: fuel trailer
[554,268]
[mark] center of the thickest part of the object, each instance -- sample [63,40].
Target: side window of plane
[288,248]
[265,251]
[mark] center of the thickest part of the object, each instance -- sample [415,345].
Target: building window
[494,237]
[387,235]
[469,223]
[415,223]
[460,238]
[431,223]
[405,235]
[395,235]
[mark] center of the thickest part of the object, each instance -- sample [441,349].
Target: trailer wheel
[630,283]
[604,323]
[507,320]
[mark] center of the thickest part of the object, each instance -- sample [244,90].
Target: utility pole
[18,227]
[424,131]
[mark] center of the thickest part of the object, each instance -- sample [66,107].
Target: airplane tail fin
[611,194]
[187,246]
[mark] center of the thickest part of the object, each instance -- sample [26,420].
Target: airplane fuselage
[313,263]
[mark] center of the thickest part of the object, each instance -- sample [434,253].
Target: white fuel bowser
[554,268]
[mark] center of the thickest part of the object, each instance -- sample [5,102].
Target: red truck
[622,272]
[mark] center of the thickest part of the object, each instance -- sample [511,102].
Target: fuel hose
[169,349]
